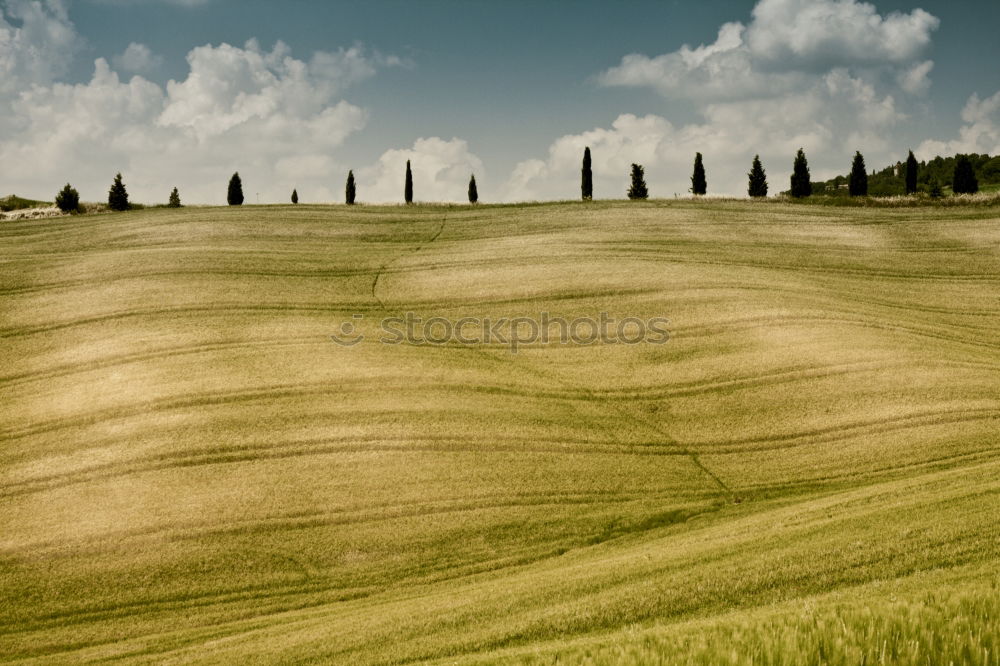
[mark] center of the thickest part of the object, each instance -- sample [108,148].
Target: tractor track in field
[320,446]
[560,382]
[382,269]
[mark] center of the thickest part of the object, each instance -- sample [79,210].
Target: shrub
[801,187]
[175,199]
[638,188]
[295,196]
[68,199]
[757,186]
[117,196]
[964,181]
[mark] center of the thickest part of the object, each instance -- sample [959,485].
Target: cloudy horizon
[93,88]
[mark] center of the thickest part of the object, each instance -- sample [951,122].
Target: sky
[182,93]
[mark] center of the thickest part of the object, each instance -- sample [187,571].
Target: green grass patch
[14,202]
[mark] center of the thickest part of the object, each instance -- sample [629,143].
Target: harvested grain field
[193,470]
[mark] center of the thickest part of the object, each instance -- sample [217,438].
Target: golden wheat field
[193,471]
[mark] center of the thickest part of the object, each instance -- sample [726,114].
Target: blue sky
[511,90]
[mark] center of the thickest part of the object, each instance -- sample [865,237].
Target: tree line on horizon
[922,176]
[963,181]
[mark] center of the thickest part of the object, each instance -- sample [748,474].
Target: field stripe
[559,381]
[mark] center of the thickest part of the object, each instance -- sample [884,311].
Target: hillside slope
[192,470]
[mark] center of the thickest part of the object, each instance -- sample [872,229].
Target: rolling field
[191,470]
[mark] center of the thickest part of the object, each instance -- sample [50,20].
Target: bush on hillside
[117,196]
[68,199]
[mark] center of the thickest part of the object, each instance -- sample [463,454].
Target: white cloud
[835,33]
[441,171]
[630,139]
[979,134]
[722,70]
[824,75]
[916,80]
[831,119]
[137,59]
[787,44]
[39,49]
[228,87]
[66,127]
[275,118]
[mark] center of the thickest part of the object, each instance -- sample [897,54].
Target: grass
[955,622]
[191,471]
[988,196]
[14,202]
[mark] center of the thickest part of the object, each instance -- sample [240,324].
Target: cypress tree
[235,194]
[757,186]
[473,192]
[638,188]
[911,174]
[801,187]
[295,196]
[698,183]
[68,199]
[408,188]
[117,196]
[964,180]
[350,191]
[175,199]
[858,184]
[586,177]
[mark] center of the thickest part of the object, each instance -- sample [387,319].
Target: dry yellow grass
[192,471]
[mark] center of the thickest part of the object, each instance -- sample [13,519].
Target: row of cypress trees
[234,196]
[964,181]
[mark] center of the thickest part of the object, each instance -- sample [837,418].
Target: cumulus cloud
[39,49]
[916,80]
[724,69]
[230,87]
[835,33]
[275,118]
[830,120]
[980,132]
[824,75]
[75,125]
[629,139]
[441,170]
[787,43]
[137,59]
